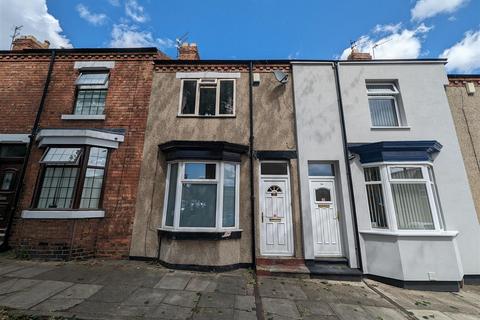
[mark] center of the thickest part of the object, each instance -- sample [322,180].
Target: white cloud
[33,15]
[464,56]
[396,44]
[96,19]
[388,28]
[429,8]
[128,36]
[115,3]
[135,11]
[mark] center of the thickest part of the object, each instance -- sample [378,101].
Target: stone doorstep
[282,267]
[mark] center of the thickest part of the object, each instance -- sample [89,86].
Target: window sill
[62,214]
[429,233]
[205,117]
[200,235]
[83,117]
[391,128]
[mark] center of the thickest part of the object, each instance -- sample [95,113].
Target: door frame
[340,215]
[288,214]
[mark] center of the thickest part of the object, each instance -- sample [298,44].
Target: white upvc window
[202,196]
[402,197]
[207,97]
[383,104]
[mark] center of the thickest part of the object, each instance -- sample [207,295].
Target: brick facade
[21,86]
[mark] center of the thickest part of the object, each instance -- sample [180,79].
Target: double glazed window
[383,104]
[404,195]
[72,178]
[202,195]
[208,97]
[91,93]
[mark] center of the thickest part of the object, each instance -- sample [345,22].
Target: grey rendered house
[382,180]
[218,183]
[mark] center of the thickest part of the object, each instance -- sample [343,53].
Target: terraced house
[333,169]
[71,140]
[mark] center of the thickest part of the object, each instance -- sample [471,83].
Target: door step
[333,270]
[331,260]
[289,267]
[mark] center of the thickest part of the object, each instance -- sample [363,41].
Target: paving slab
[216,300]
[26,299]
[7,267]
[429,314]
[385,313]
[244,315]
[213,314]
[13,285]
[245,303]
[280,288]
[146,297]
[173,281]
[204,284]
[461,316]
[318,308]
[281,307]
[29,272]
[94,308]
[53,305]
[232,285]
[182,298]
[349,312]
[166,311]
[112,294]
[78,291]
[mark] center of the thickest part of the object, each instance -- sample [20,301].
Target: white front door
[276,222]
[326,232]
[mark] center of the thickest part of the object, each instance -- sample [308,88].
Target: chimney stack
[188,52]
[355,55]
[29,42]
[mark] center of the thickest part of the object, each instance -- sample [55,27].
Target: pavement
[99,289]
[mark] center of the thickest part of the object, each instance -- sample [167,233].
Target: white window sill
[205,117]
[83,117]
[193,230]
[391,128]
[413,233]
[62,214]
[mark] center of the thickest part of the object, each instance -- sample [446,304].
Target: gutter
[251,155]
[347,163]
[4,246]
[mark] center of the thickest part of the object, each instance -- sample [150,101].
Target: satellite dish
[281,76]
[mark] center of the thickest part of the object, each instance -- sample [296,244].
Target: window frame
[80,180]
[387,181]
[83,87]
[384,95]
[206,82]
[218,181]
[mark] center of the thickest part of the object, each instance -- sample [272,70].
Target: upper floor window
[405,195]
[208,97]
[91,93]
[72,178]
[383,103]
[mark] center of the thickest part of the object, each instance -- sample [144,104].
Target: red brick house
[72,129]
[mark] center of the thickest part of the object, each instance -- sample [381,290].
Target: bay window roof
[385,151]
[202,150]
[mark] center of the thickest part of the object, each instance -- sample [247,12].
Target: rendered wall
[428,117]
[319,139]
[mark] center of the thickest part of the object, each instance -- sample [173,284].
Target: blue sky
[272,29]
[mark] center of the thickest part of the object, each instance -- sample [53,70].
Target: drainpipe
[32,137]
[251,155]
[347,162]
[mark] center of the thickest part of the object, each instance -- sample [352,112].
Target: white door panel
[276,225]
[326,232]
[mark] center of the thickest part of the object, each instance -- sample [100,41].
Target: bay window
[201,195]
[403,194]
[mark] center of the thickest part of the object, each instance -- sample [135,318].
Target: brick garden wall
[126,108]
